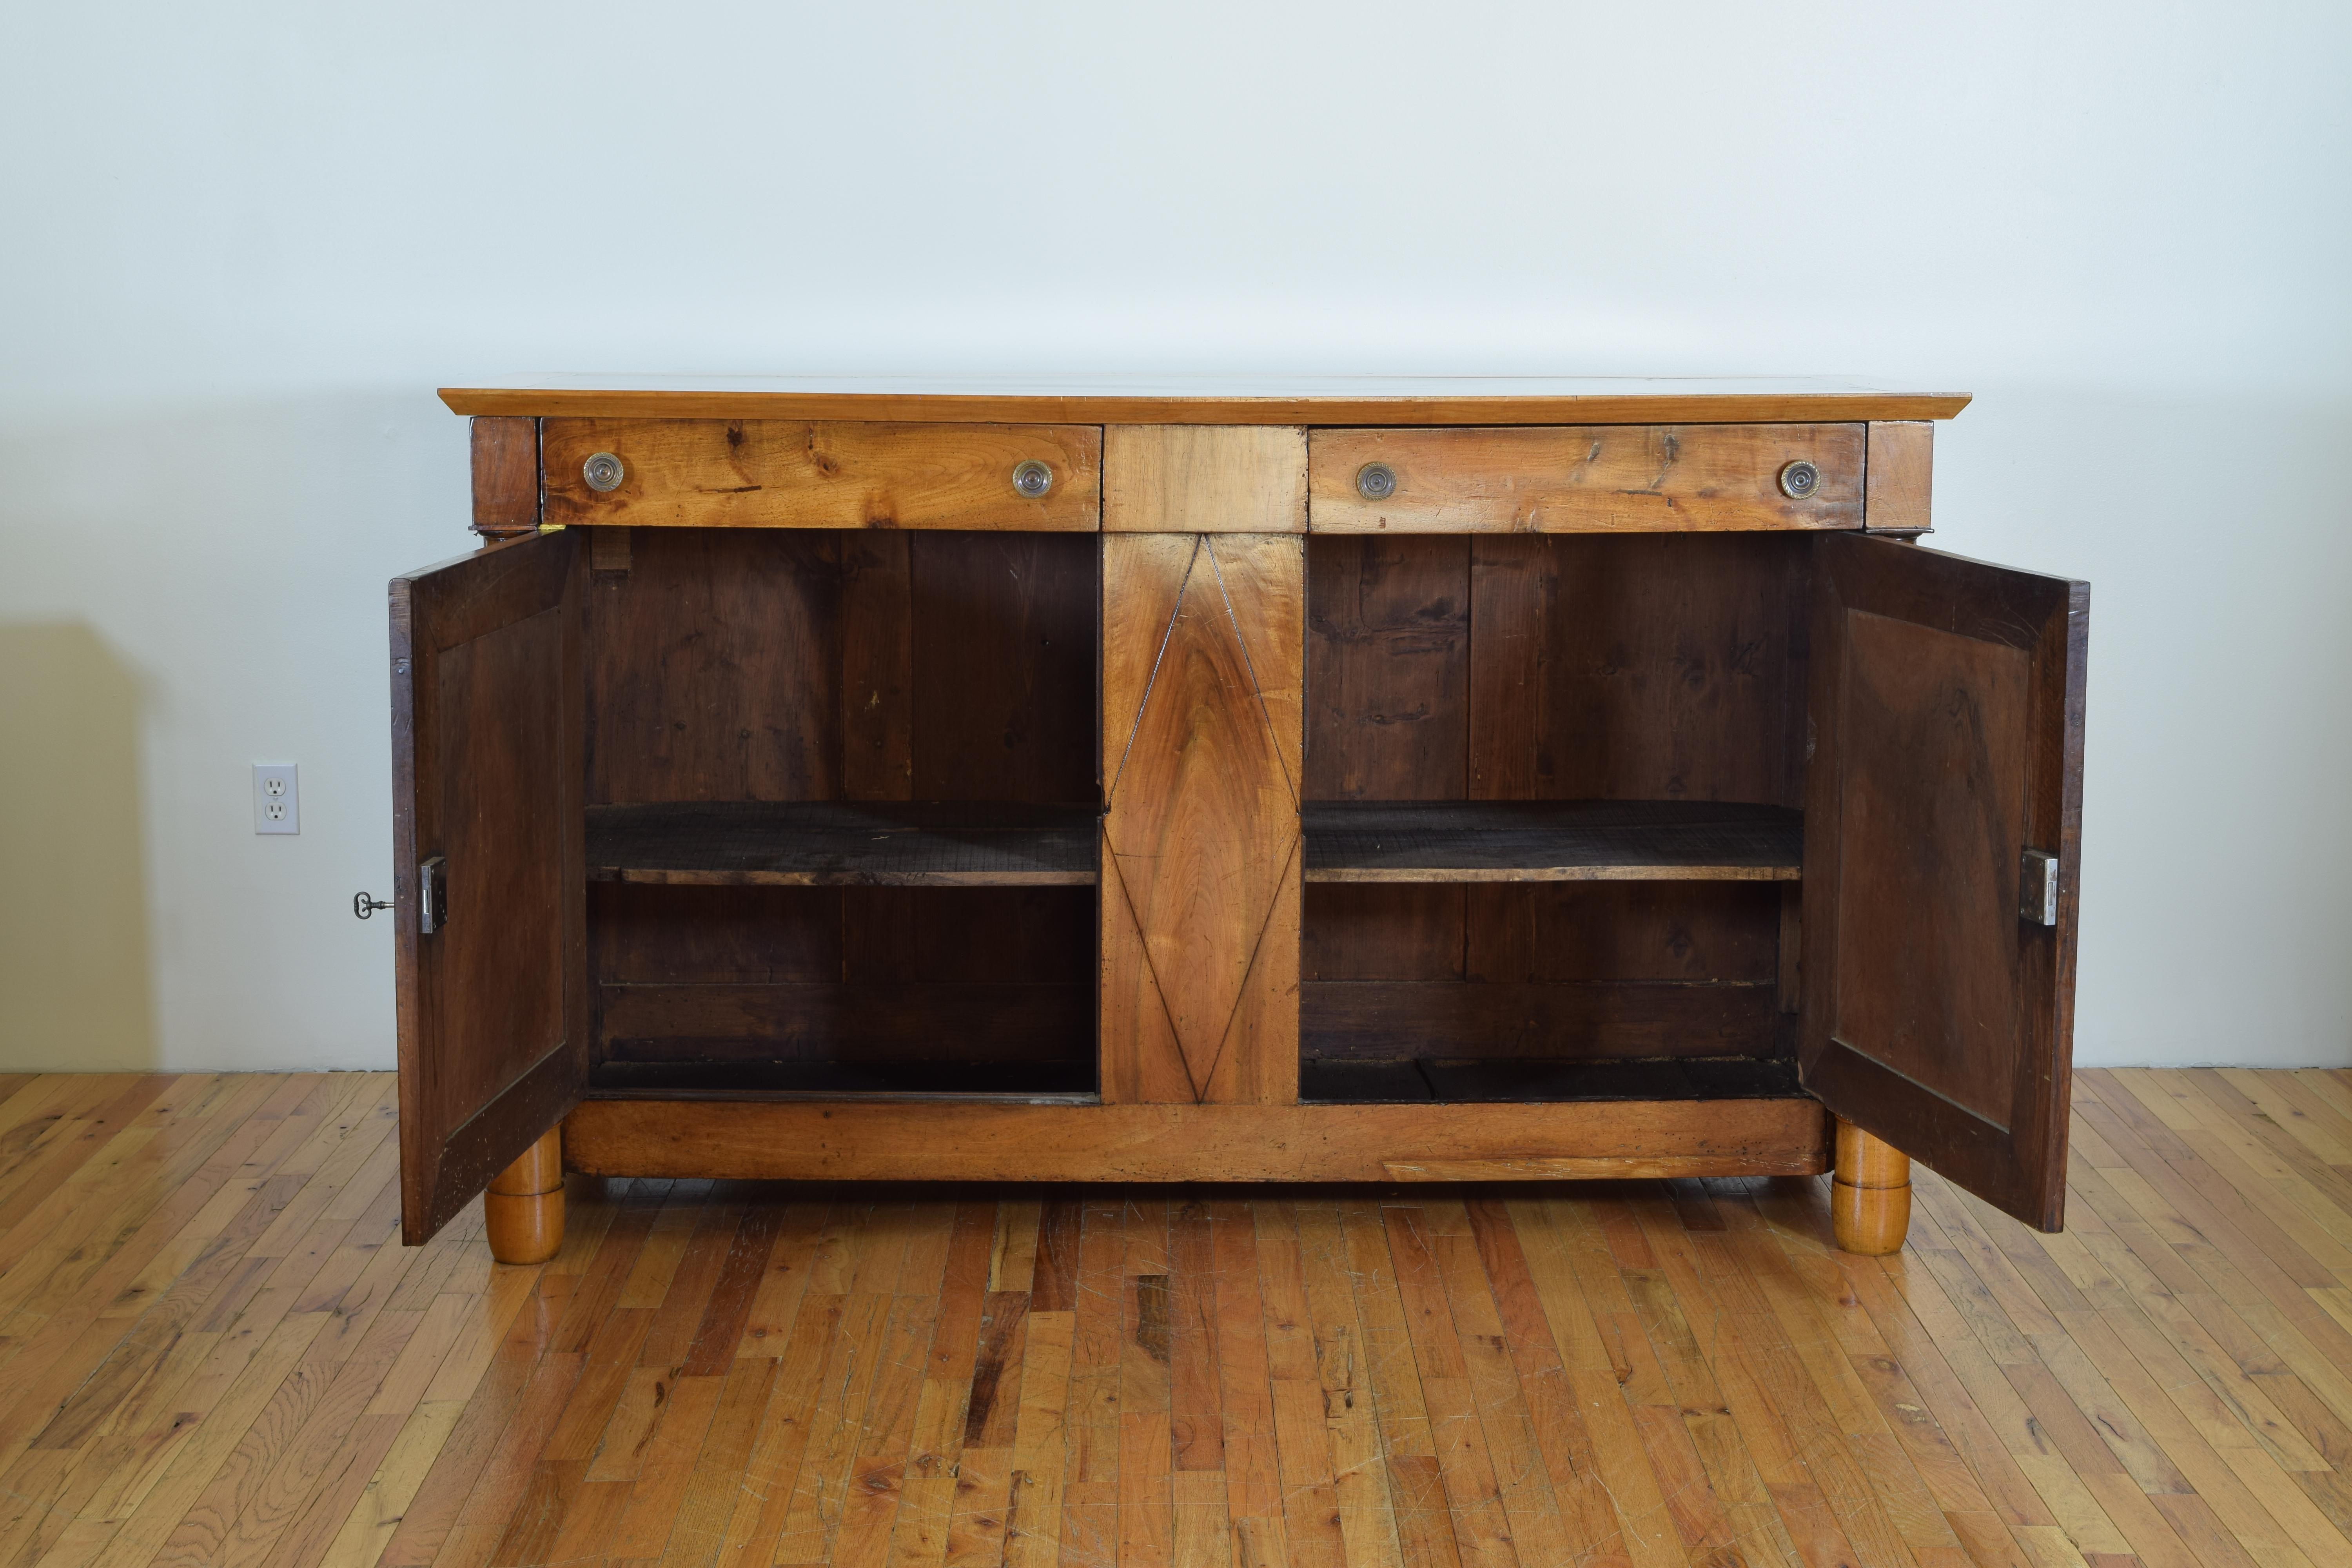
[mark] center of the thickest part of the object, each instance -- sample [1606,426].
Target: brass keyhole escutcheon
[1376,481]
[603,473]
[1032,478]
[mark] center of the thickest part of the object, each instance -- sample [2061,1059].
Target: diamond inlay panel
[1200,901]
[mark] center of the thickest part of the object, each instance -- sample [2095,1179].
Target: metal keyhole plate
[1799,479]
[603,473]
[1032,478]
[1376,481]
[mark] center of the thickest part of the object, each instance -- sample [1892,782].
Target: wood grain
[1157,1142]
[1592,478]
[1645,668]
[1388,668]
[1198,951]
[714,670]
[1901,478]
[994,976]
[712,473]
[840,844]
[506,476]
[1330,400]
[1551,841]
[1948,703]
[1205,478]
[788,665]
[1870,1194]
[494,1030]
[992,1023]
[1512,686]
[1564,1021]
[218,1357]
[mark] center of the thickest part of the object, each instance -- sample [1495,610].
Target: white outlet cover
[277,798]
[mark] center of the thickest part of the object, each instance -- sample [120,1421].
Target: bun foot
[523,1210]
[1870,1196]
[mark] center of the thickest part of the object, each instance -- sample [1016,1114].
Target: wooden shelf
[1552,841]
[844,844]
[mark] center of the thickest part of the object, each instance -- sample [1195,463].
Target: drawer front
[1584,479]
[756,473]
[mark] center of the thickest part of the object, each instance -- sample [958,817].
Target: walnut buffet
[1403,782]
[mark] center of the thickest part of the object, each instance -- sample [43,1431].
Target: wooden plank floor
[212,1352]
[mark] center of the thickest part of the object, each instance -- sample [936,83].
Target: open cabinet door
[489,867]
[1943,817]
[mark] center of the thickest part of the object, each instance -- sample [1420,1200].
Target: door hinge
[2037,889]
[432,895]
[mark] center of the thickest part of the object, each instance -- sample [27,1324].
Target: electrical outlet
[277,798]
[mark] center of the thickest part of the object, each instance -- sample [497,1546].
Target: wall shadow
[74,971]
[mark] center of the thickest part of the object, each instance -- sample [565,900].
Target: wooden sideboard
[1390,781]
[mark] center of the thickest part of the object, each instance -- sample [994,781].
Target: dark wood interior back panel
[877,667]
[756,935]
[656,935]
[1597,1021]
[1552,667]
[1388,667]
[1004,633]
[784,664]
[844,974]
[714,668]
[975,934]
[1589,970]
[841,1021]
[1640,668]
[1542,932]
[764,665]
[1383,931]
[1557,668]
[1727,932]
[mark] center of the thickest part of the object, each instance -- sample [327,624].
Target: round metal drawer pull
[603,473]
[1032,478]
[1376,481]
[1799,479]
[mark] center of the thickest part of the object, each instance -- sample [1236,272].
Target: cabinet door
[487,853]
[1944,793]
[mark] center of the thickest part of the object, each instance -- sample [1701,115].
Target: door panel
[1947,741]
[487,773]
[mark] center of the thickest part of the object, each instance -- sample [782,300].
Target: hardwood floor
[212,1352]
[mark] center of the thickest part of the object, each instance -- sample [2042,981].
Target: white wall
[240,243]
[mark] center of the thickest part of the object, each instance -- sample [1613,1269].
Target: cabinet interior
[1552,801]
[842,793]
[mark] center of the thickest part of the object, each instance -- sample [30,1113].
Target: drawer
[764,473]
[1585,478]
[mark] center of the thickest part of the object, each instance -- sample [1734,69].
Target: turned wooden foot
[524,1207]
[1870,1196]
